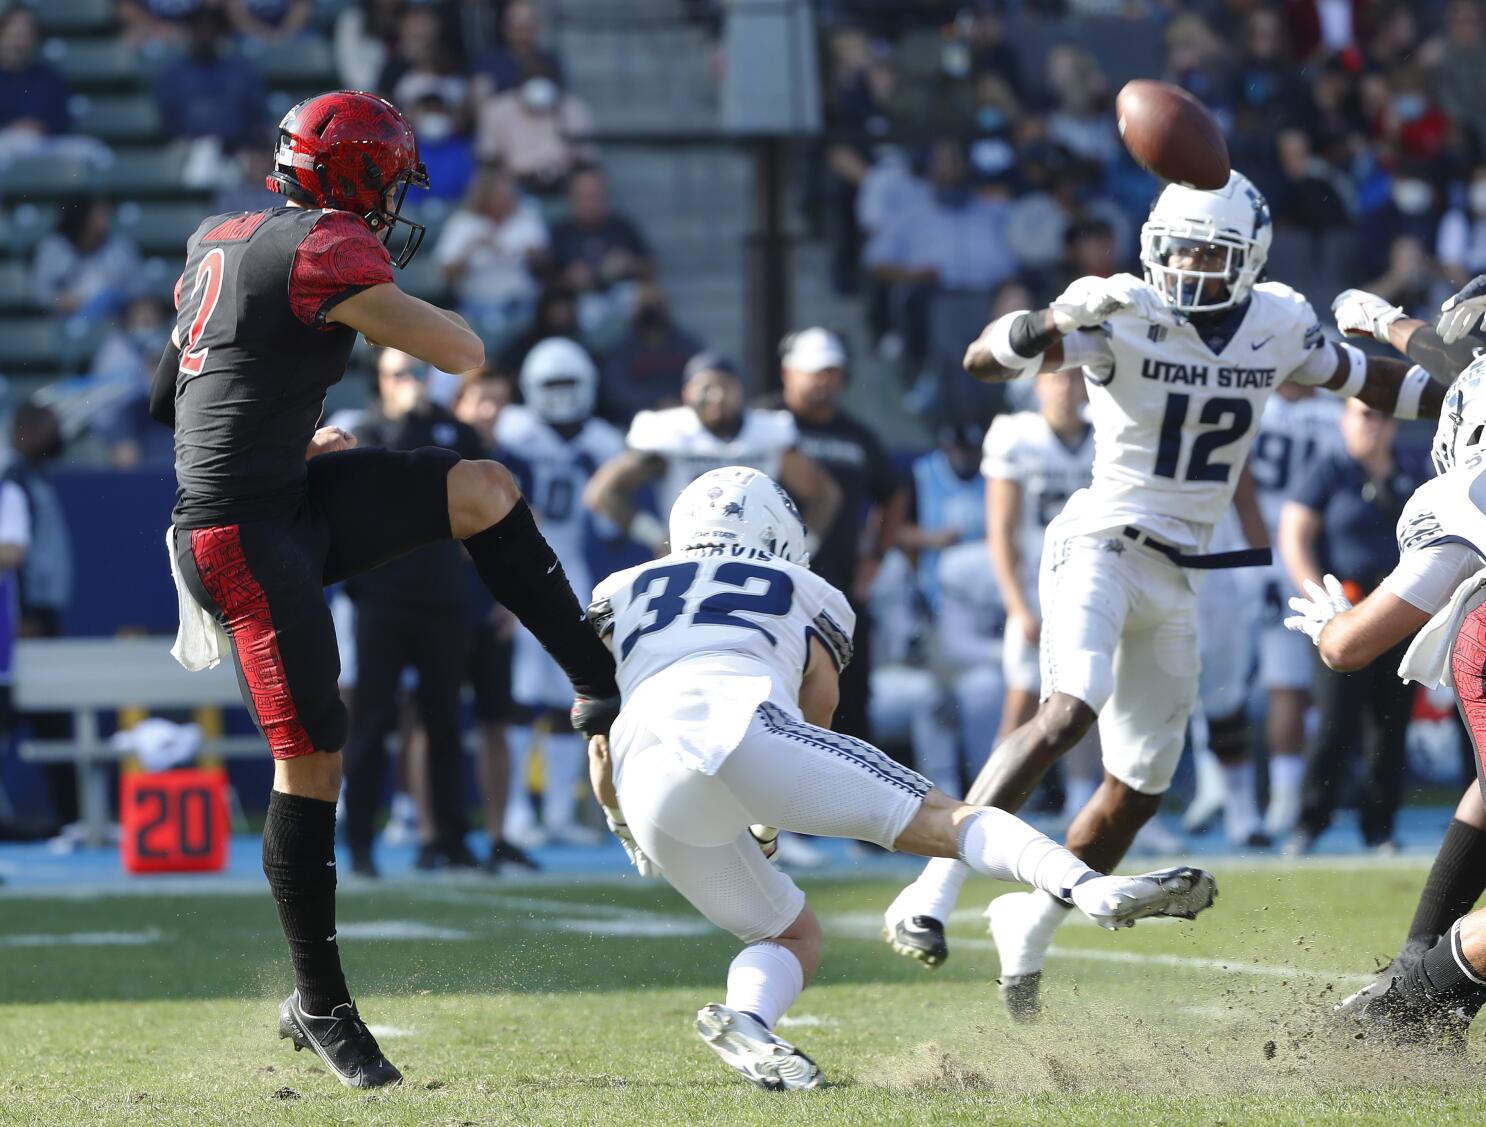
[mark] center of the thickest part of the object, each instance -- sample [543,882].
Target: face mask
[1412,197]
[1478,197]
[1409,107]
[539,94]
[435,127]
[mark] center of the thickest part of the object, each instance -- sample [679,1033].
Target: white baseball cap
[814,350]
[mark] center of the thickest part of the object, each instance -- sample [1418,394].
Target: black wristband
[1442,361]
[1030,335]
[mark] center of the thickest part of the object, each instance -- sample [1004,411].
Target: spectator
[521,52]
[424,63]
[1081,121]
[1410,121]
[84,269]
[814,365]
[536,132]
[211,92]
[489,252]
[45,590]
[410,613]
[122,367]
[595,248]
[15,542]
[153,23]
[364,36]
[1315,197]
[444,147]
[946,502]
[642,372]
[1460,76]
[1461,243]
[34,118]
[556,316]
[1411,279]
[1196,60]
[269,20]
[1340,520]
[1266,82]
[243,188]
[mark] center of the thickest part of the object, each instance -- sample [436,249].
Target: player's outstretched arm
[1404,390]
[387,316]
[1361,314]
[1351,637]
[611,490]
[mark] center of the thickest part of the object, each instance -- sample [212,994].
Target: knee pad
[1228,736]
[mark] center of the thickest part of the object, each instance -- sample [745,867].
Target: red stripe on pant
[1468,670]
[224,572]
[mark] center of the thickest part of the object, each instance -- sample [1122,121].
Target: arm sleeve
[1428,577]
[338,259]
[162,386]
[1442,361]
[15,516]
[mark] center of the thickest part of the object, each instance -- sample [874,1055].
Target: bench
[86,676]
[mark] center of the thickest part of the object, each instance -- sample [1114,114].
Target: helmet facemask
[1190,290]
[384,221]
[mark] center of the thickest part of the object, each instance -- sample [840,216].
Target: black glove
[593,716]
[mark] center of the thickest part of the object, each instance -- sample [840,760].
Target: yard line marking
[649,926]
[806,1020]
[400,929]
[86,939]
[390,1031]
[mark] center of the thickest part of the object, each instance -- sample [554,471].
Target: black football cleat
[920,938]
[504,852]
[1381,1011]
[1021,994]
[341,1040]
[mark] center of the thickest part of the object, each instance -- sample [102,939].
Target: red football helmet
[347,151]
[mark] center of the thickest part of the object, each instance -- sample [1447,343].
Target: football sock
[999,844]
[937,889]
[1024,928]
[1444,976]
[1455,882]
[524,575]
[299,862]
[764,981]
[563,760]
[1240,804]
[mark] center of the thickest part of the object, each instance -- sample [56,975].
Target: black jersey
[257,354]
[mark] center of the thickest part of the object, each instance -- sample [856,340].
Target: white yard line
[85,939]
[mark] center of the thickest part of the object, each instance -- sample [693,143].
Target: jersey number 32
[720,609]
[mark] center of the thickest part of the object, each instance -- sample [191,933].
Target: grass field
[543,1003]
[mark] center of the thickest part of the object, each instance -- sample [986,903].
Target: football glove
[1324,604]
[1092,300]
[1463,310]
[1359,314]
[593,716]
[767,838]
[637,856]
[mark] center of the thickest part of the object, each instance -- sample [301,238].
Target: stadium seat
[47,178]
[73,17]
[152,171]
[113,118]
[300,61]
[15,287]
[93,63]
[29,343]
[160,228]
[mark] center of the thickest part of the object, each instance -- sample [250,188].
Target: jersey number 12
[1231,418]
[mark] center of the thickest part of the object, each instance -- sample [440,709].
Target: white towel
[200,641]
[1428,658]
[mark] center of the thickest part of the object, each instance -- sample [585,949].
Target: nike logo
[330,864]
[331,937]
[553,568]
[1258,344]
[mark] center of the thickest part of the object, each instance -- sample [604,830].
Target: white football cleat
[1116,902]
[764,1059]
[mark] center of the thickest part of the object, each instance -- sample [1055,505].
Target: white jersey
[1023,448]
[971,615]
[1441,537]
[703,636]
[553,471]
[1292,434]
[1173,421]
[690,449]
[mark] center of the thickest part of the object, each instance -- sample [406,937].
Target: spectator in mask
[211,92]
[520,52]
[444,147]
[85,269]
[1461,243]
[488,252]
[643,371]
[122,368]
[536,132]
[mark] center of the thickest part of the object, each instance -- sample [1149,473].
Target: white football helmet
[1461,431]
[738,505]
[1234,219]
[559,381]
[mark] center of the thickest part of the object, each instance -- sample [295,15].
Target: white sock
[519,819]
[1003,846]
[1240,804]
[764,980]
[1286,772]
[563,760]
[1076,795]
[936,891]
[1023,950]
[1286,776]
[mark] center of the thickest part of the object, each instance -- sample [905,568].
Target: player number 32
[720,609]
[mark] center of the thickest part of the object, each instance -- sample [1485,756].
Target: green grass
[522,1014]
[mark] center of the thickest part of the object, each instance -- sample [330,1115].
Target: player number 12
[1231,417]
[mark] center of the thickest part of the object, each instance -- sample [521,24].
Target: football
[1172,135]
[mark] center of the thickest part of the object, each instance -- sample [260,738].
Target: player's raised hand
[1463,310]
[1313,613]
[1362,314]
[329,440]
[1092,300]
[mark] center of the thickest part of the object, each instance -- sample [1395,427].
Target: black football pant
[390,640]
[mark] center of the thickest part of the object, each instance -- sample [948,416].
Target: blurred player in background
[1179,368]
[668,449]
[554,443]
[730,654]
[270,509]
[946,502]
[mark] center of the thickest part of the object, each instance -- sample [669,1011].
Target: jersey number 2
[719,609]
[1231,417]
[209,284]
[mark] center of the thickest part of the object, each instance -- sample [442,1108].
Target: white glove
[1092,300]
[767,838]
[1324,604]
[1359,314]
[1462,310]
[637,856]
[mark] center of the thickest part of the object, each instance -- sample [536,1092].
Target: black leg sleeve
[299,861]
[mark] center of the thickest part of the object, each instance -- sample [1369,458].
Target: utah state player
[269,510]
